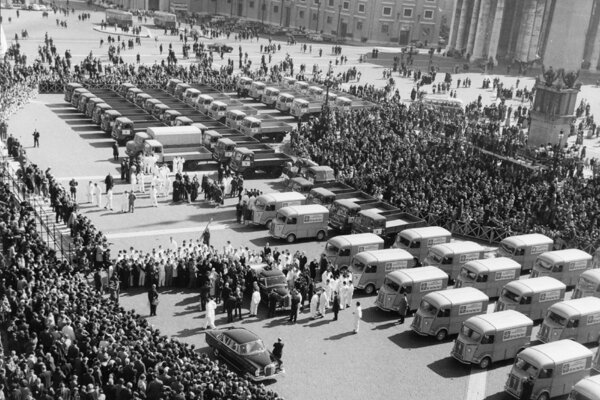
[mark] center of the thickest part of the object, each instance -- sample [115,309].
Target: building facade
[555,32]
[374,21]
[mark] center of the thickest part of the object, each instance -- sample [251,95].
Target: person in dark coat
[336,305]
[527,389]
[278,351]
[153,299]
[295,303]
[402,308]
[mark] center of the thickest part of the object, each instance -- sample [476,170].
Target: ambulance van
[564,265]
[418,241]
[489,274]
[524,249]
[531,297]
[577,319]
[370,267]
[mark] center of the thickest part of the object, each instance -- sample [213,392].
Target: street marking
[476,384]
[196,229]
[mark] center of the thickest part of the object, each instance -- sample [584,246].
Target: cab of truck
[172,84]
[284,102]
[140,99]
[132,93]
[203,102]
[150,104]
[210,139]
[180,90]
[182,120]
[234,118]
[316,92]
[320,174]
[124,88]
[190,96]
[270,95]
[217,110]
[250,125]
[243,85]
[257,89]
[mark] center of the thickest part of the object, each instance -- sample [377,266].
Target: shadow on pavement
[105,144]
[189,300]
[374,314]
[449,368]
[503,396]
[323,321]
[189,332]
[96,132]
[340,335]
[410,340]
[58,105]
[79,121]
[385,326]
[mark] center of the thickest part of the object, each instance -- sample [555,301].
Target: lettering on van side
[593,319]
[313,218]
[505,275]
[468,257]
[581,264]
[550,296]
[434,241]
[431,285]
[539,249]
[470,308]
[514,333]
[574,366]
[368,247]
[391,266]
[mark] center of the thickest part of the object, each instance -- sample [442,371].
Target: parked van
[172,84]
[288,82]
[418,241]
[588,284]
[180,90]
[415,282]
[320,174]
[489,274]
[370,267]
[233,118]
[340,250]
[524,249]
[531,297]
[69,88]
[577,319]
[564,265]
[450,257]
[267,205]
[269,96]
[76,94]
[299,222]
[442,313]
[554,368]
[586,389]
[489,338]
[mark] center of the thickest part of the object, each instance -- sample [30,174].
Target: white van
[300,222]
[588,284]
[340,250]
[524,249]
[488,275]
[586,389]
[370,267]
[576,319]
[531,297]
[418,241]
[267,205]
[564,265]
[450,257]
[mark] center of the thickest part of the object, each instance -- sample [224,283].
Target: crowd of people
[423,160]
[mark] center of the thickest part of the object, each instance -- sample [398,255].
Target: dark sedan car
[220,48]
[269,279]
[245,352]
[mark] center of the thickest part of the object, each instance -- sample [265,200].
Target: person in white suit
[254,302]
[209,318]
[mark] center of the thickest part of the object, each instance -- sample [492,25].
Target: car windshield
[404,241]
[390,284]
[427,308]
[275,280]
[543,264]
[359,267]
[470,333]
[330,248]
[510,295]
[467,274]
[252,347]
[526,367]
[557,319]
[339,210]
[508,249]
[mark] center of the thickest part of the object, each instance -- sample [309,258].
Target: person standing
[357,317]
[132,198]
[115,149]
[336,305]
[153,300]
[295,302]
[527,389]
[402,308]
[209,318]
[109,182]
[254,302]
[73,189]
[36,138]
[323,303]
[278,351]
[314,304]
[124,201]
[154,196]
[273,300]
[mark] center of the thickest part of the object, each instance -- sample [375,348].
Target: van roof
[589,386]
[417,274]
[322,191]
[580,306]
[112,112]
[192,90]
[565,255]
[527,240]
[235,112]
[539,284]
[355,239]
[556,352]
[458,247]
[184,119]
[219,103]
[493,264]
[272,88]
[257,83]
[384,255]
[286,95]
[456,296]
[499,321]
[304,209]
[281,196]
[152,143]
[591,274]
[425,232]
[300,101]
[206,97]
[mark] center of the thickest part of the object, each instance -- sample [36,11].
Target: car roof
[241,335]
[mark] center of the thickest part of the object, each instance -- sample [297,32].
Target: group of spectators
[424,160]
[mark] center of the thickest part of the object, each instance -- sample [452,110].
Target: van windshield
[404,241]
[510,295]
[436,257]
[470,275]
[259,205]
[557,319]
[281,218]
[359,267]
[543,264]
[471,334]
[585,284]
[339,210]
[575,395]
[331,248]
[391,285]
[427,308]
[524,366]
[507,248]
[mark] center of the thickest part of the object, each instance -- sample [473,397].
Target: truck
[205,100]
[125,128]
[303,108]
[386,224]
[267,130]
[326,196]
[218,110]
[344,211]
[235,116]
[172,137]
[225,147]
[243,86]
[99,109]
[347,104]
[269,96]
[187,120]
[193,155]
[245,162]
[211,137]
[170,116]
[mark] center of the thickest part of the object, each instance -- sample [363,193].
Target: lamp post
[339,21]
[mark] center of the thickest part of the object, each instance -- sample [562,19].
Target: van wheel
[484,363]
[268,224]
[369,289]
[320,235]
[291,238]
[543,396]
[441,335]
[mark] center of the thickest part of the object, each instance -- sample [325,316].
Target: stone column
[595,57]
[538,9]
[527,24]
[495,36]
[453,24]
[475,21]
[481,37]
[462,25]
